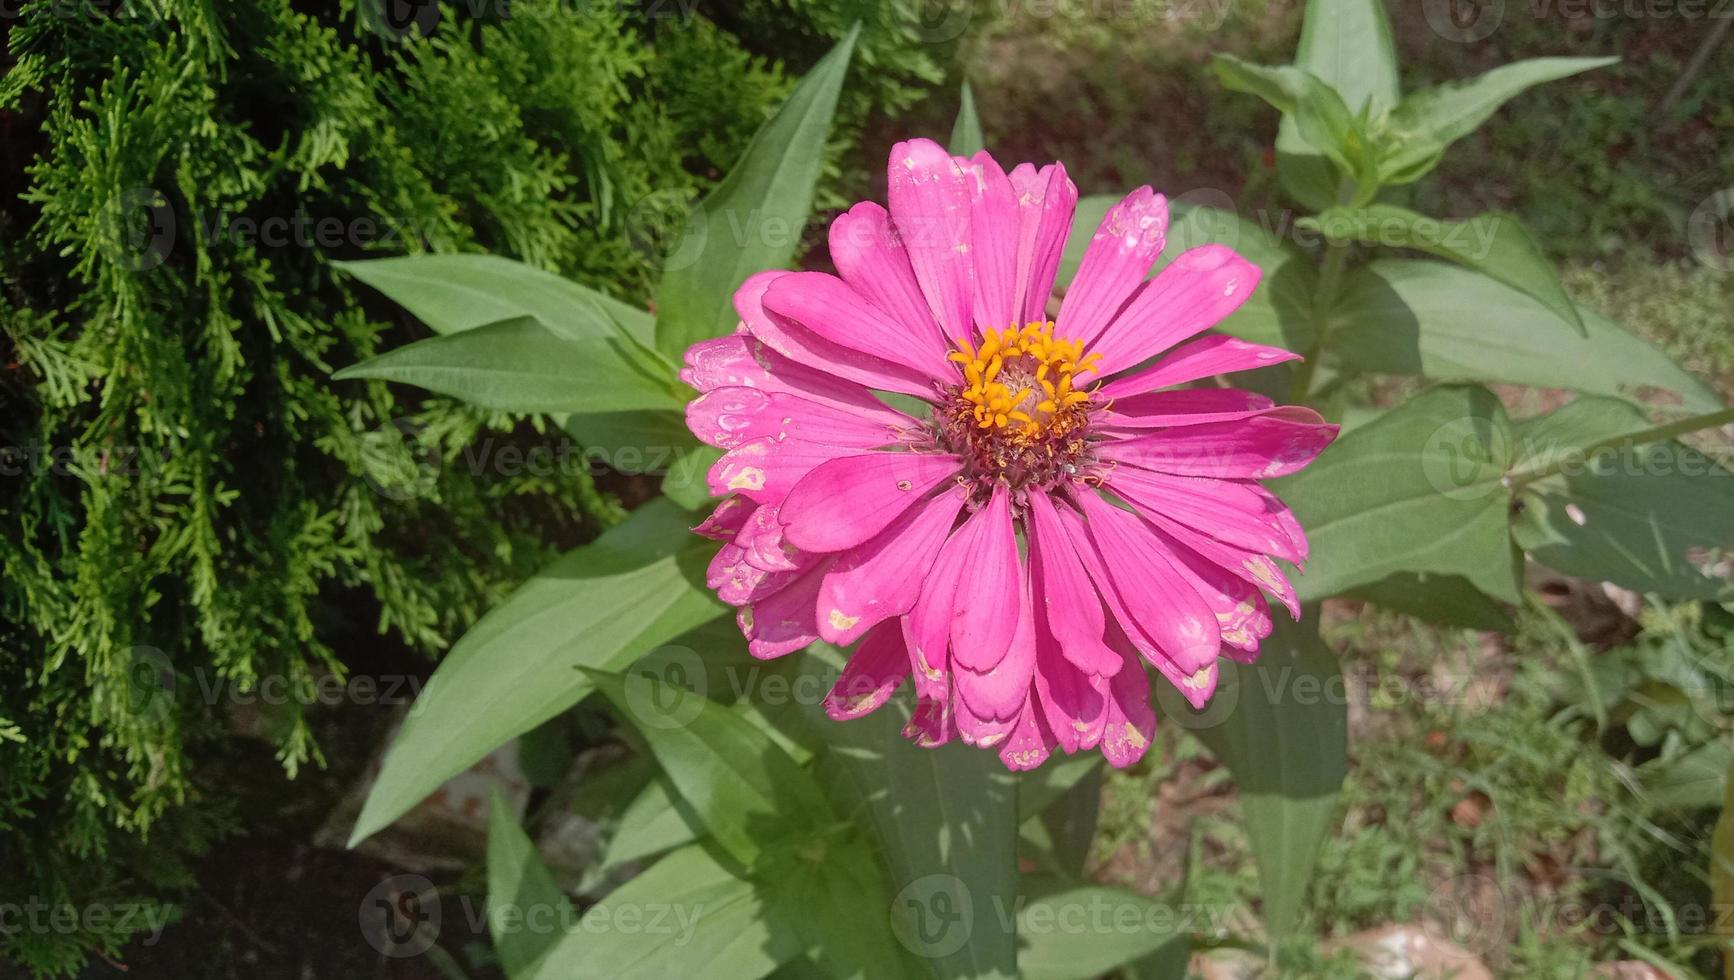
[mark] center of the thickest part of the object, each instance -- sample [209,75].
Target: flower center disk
[1017,417]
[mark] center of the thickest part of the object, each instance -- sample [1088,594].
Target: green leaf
[1318,112]
[833,894]
[1452,324]
[1693,781]
[1449,600]
[453,293]
[1279,85]
[966,137]
[754,219]
[650,825]
[946,821]
[1494,244]
[1085,931]
[1417,490]
[686,482]
[1722,875]
[527,911]
[742,786]
[688,915]
[1631,515]
[1281,726]
[522,366]
[1347,44]
[1429,120]
[605,604]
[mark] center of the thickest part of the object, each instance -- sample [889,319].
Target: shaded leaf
[1083,931]
[1449,600]
[966,137]
[527,911]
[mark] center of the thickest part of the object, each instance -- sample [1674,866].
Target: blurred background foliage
[187,497]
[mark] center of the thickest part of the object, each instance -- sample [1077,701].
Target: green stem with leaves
[1330,279]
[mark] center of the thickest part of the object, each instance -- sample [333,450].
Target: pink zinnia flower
[1054,514]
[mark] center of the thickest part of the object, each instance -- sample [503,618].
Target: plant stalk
[1330,279]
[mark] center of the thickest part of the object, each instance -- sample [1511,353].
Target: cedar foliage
[187,499]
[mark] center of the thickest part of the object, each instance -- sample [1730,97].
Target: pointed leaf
[1076,932]
[1281,726]
[966,137]
[1493,244]
[605,604]
[1417,490]
[753,220]
[527,911]
[1348,45]
[522,366]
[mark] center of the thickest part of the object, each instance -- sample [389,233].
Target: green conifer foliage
[187,500]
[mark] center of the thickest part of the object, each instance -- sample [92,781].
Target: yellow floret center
[1020,380]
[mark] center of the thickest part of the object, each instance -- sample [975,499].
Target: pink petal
[979,730]
[927,628]
[827,306]
[1227,511]
[728,417]
[869,257]
[1275,443]
[1072,702]
[872,675]
[848,500]
[1193,293]
[1203,358]
[1067,602]
[762,540]
[1125,245]
[929,199]
[783,622]
[1252,566]
[1131,724]
[1030,743]
[741,360]
[801,345]
[1241,612]
[739,582]
[986,613]
[765,470]
[1284,518]
[727,520]
[931,724]
[1046,202]
[999,692]
[1157,602]
[883,577]
[993,242]
[1184,406]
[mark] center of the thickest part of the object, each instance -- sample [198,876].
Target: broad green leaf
[946,821]
[1279,312]
[1494,244]
[833,894]
[966,137]
[1059,837]
[686,482]
[754,219]
[522,366]
[1319,113]
[1281,726]
[632,442]
[688,915]
[1082,931]
[1041,788]
[1693,781]
[1631,515]
[1425,122]
[1453,324]
[527,911]
[604,604]
[1445,599]
[1347,44]
[453,293]
[650,825]
[746,790]
[1417,490]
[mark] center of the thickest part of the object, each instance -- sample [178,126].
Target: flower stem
[1330,279]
